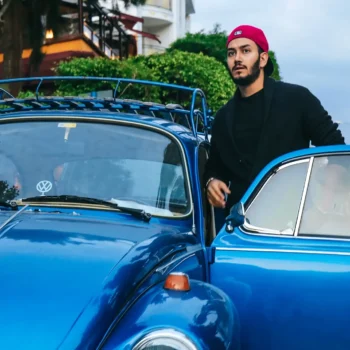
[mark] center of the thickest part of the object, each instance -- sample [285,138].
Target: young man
[264,119]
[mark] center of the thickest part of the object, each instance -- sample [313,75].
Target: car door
[287,268]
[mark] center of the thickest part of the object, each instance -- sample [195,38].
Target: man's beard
[250,78]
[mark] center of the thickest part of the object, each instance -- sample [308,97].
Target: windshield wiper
[138,213]
[9,204]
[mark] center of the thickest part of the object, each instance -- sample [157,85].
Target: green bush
[213,45]
[192,70]
[28,93]
[104,67]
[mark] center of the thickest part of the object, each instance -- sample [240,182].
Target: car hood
[59,273]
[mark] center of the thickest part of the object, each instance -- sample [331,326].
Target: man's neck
[253,88]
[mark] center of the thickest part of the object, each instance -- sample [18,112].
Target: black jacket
[293,117]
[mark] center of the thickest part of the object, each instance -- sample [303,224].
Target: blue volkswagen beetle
[107,240]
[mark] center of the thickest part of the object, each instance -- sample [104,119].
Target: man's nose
[238,58]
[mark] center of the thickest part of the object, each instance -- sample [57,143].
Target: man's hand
[216,193]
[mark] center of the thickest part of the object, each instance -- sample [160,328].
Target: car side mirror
[235,218]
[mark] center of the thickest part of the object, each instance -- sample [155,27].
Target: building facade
[95,30]
[167,19]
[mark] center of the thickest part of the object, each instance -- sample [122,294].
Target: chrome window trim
[52,118]
[246,228]
[296,251]
[303,197]
[258,229]
[274,173]
[285,236]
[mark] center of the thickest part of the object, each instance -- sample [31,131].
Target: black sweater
[292,119]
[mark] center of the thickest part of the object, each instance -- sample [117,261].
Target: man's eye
[246,51]
[230,54]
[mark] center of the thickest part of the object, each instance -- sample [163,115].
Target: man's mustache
[238,66]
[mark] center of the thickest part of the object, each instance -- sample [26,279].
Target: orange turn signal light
[178,281]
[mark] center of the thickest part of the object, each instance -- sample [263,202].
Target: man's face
[244,61]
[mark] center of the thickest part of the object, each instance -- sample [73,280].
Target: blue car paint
[284,287]
[69,267]
[290,292]
[205,314]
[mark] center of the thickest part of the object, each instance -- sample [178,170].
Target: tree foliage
[104,67]
[212,45]
[194,70]
[23,20]
[7,192]
[176,67]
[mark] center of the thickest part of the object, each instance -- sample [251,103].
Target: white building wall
[168,25]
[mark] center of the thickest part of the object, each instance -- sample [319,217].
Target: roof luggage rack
[197,120]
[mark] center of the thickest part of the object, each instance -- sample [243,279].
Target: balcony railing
[101,44]
[165,4]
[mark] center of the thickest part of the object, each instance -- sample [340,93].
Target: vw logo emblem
[44,186]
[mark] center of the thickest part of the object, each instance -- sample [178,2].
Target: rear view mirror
[235,218]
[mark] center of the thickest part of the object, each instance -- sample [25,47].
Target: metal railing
[165,4]
[197,119]
[98,42]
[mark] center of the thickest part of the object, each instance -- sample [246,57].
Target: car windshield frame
[105,120]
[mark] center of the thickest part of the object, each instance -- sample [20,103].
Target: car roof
[177,130]
[182,123]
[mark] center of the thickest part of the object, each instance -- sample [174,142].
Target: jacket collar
[269,87]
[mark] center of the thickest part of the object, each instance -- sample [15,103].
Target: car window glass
[276,206]
[9,179]
[327,206]
[131,166]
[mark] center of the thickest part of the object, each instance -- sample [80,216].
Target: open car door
[284,257]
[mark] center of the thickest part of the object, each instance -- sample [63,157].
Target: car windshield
[131,166]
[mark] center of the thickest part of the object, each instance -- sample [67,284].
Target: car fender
[205,314]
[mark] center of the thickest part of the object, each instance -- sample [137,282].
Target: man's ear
[264,57]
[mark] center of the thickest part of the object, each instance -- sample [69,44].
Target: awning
[130,21]
[147,35]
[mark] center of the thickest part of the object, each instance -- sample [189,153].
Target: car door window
[327,205]
[277,204]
